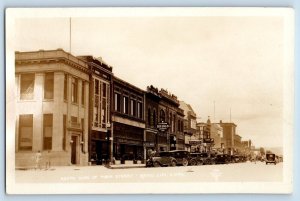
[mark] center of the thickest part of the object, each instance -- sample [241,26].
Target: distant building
[52,101]
[237,144]
[228,136]
[170,112]
[189,123]
[216,132]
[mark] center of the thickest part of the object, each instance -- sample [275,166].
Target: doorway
[74,150]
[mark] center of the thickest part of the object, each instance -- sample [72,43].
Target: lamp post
[108,143]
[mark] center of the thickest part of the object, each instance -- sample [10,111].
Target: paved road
[240,172]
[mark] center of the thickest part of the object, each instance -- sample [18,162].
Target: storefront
[128,142]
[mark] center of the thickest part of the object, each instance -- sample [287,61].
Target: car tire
[193,162]
[156,164]
[200,163]
[185,162]
[173,163]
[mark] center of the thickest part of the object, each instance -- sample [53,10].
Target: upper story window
[49,86]
[74,95]
[140,110]
[125,105]
[117,102]
[27,86]
[149,117]
[133,107]
[162,115]
[154,118]
[66,87]
[25,132]
[101,104]
[83,93]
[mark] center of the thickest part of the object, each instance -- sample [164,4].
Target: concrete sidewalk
[128,164]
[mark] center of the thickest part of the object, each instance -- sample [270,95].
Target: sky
[227,63]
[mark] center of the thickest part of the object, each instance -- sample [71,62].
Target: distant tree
[262,151]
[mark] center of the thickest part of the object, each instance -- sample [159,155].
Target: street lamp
[107,140]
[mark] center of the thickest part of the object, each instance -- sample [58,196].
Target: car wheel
[156,164]
[185,162]
[173,163]
[200,163]
[193,162]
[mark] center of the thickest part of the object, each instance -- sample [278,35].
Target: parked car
[161,159]
[207,158]
[195,159]
[182,157]
[222,159]
[271,158]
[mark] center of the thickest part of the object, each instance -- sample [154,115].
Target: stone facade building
[52,101]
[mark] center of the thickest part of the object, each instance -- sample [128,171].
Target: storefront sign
[208,140]
[148,144]
[162,126]
[128,141]
[195,142]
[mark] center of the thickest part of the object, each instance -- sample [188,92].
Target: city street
[238,172]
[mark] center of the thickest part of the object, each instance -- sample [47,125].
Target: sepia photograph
[149,100]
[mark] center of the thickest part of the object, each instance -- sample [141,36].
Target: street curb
[124,167]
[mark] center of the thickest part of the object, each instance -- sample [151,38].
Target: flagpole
[70,36]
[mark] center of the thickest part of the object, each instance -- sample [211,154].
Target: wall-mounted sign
[208,140]
[195,142]
[149,144]
[162,126]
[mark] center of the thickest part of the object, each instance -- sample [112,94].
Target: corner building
[52,91]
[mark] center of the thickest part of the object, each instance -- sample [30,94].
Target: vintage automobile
[195,159]
[207,158]
[182,157]
[161,159]
[222,159]
[270,158]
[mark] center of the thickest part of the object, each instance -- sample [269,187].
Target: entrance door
[99,152]
[74,150]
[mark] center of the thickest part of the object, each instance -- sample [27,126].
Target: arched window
[174,123]
[154,118]
[162,115]
[171,122]
[149,116]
